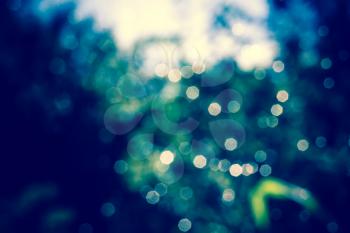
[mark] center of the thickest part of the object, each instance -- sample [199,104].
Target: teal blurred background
[247,142]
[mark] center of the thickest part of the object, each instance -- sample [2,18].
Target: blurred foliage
[59,76]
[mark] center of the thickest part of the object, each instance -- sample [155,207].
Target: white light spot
[276,109]
[236,170]
[167,157]
[199,161]
[192,92]
[282,96]
[303,145]
[214,109]
[174,75]
[230,144]
[248,169]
